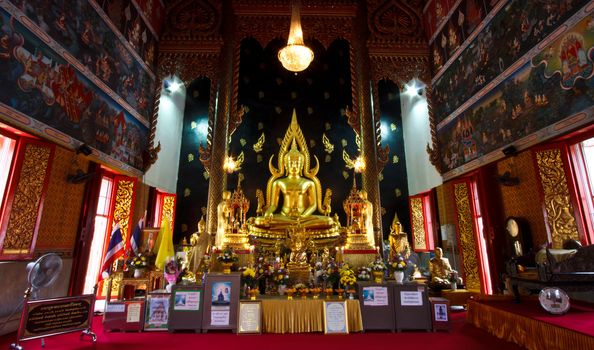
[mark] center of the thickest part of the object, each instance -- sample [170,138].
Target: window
[99,235]
[423,226]
[7,146]
[485,270]
[582,154]
[164,208]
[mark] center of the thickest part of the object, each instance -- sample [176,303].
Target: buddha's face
[294,162]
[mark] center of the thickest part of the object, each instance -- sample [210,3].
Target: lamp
[295,57]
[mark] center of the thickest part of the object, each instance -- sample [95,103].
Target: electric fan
[43,272]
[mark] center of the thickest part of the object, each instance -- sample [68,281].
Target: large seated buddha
[294,196]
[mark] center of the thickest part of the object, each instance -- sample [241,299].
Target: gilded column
[468,245]
[361,79]
[218,178]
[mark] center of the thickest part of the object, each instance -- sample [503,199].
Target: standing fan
[43,272]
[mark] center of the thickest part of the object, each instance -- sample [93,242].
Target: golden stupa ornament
[295,57]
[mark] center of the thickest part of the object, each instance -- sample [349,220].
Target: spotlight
[171,86]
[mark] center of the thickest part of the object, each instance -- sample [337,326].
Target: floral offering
[248,276]
[347,276]
[398,263]
[364,274]
[227,256]
[378,265]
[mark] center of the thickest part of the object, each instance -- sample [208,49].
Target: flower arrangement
[332,273]
[227,256]
[347,276]
[378,265]
[364,274]
[398,263]
[300,287]
[248,277]
[140,261]
[281,276]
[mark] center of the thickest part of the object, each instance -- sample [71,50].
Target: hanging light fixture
[295,57]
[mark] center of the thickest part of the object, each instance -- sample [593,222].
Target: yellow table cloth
[303,315]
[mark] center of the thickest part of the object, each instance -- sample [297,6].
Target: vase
[399,276]
[351,294]
[138,273]
[226,267]
[453,285]
[378,276]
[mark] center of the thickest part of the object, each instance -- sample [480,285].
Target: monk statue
[293,195]
[440,270]
[398,240]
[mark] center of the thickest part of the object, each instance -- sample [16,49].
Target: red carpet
[463,336]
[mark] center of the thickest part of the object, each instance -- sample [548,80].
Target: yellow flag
[165,246]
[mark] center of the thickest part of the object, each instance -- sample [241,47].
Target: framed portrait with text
[157,312]
[249,320]
[336,317]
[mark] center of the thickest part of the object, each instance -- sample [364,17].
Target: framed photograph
[186,300]
[157,312]
[335,317]
[221,301]
[250,317]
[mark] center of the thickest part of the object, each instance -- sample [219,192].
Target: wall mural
[129,21]
[464,20]
[41,84]
[393,178]
[153,11]
[192,180]
[90,40]
[556,84]
[517,28]
[435,14]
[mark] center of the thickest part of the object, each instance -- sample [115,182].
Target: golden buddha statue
[294,184]
[440,270]
[398,240]
[223,218]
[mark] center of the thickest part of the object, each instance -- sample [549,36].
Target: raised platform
[528,325]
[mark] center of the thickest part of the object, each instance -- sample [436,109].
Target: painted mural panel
[90,40]
[154,12]
[38,82]
[517,28]
[556,84]
[125,16]
[464,20]
[436,14]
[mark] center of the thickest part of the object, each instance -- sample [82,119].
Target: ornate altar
[359,211]
[235,234]
[294,184]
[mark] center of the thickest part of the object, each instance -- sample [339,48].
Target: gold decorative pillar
[361,95]
[168,210]
[123,205]
[419,230]
[470,258]
[559,212]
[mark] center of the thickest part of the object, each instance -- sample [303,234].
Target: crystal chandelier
[295,57]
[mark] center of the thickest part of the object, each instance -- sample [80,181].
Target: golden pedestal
[358,258]
[299,273]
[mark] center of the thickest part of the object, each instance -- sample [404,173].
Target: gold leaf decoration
[312,143]
[397,192]
[327,126]
[190,157]
[239,161]
[206,175]
[358,142]
[187,192]
[184,228]
[350,164]
[393,127]
[310,110]
[383,211]
[328,147]
[242,141]
[279,141]
[260,126]
[293,95]
[261,94]
[345,174]
[259,158]
[258,145]
[193,125]
[328,158]
[203,209]
[395,159]
[278,110]
[380,177]
[344,142]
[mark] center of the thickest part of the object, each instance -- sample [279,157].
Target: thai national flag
[114,251]
[135,237]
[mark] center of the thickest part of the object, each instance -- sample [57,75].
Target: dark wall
[319,95]
[393,179]
[192,183]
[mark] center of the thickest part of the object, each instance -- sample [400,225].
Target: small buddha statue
[223,218]
[440,270]
[398,240]
[368,218]
[200,242]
